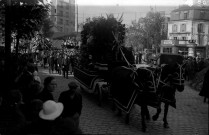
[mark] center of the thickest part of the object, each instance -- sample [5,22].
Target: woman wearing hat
[51,121]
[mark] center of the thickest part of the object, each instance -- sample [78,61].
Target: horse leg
[143,113]
[127,118]
[147,113]
[119,113]
[113,104]
[155,117]
[165,116]
[204,99]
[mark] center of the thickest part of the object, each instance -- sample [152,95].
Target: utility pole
[77,18]
[8,42]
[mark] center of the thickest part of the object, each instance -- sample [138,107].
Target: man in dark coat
[72,101]
[65,64]
[205,88]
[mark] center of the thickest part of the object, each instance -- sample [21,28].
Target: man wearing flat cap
[72,101]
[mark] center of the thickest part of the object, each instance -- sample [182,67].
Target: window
[61,29]
[66,30]
[176,15]
[202,14]
[185,15]
[183,27]
[174,28]
[167,50]
[61,13]
[200,27]
[175,38]
[67,22]
[60,21]
[67,14]
[61,4]
[54,10]
[67,7]
[184,38]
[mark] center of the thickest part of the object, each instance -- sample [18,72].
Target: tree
[47,28]
[148,31]
[26,18]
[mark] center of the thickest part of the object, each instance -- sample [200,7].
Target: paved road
[190,117]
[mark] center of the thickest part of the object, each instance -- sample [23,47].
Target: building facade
[63,15]
[188,32]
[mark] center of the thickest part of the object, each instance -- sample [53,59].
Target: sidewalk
[190,117]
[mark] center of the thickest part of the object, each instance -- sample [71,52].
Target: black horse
[169,79]
[129,86]
[148,86]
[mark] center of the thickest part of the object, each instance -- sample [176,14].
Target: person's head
[50,83]
[36,88]
[30,67]
[36,106]
[15,97]
[72,86]
[51,110]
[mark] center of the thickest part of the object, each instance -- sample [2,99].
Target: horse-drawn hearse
[145,85]
[124,82]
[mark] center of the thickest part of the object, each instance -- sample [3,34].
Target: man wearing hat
[72,101]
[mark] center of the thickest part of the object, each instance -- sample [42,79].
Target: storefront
[189,49]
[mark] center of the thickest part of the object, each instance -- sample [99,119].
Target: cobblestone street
[190,117]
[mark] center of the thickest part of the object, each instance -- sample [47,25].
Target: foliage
[47,28]
[26,17]
[98,38]
[148,31]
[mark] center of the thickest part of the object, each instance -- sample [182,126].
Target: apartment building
[188,32]
[63,15]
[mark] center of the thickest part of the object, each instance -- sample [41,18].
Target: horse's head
[146,79]
[173,74]
[178,76]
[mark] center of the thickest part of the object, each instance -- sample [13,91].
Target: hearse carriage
[93,80]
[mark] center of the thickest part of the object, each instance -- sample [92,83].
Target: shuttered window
[174,28]
[183,27]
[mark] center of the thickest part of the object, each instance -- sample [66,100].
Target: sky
[131,2]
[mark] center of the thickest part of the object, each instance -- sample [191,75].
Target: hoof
[147,117]
[144,129]
[127,120]
[154,118]
[165,125]
[100,104]
[119,113]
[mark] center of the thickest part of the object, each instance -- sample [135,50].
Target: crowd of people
[59,63]
[194,65]
[32,106]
